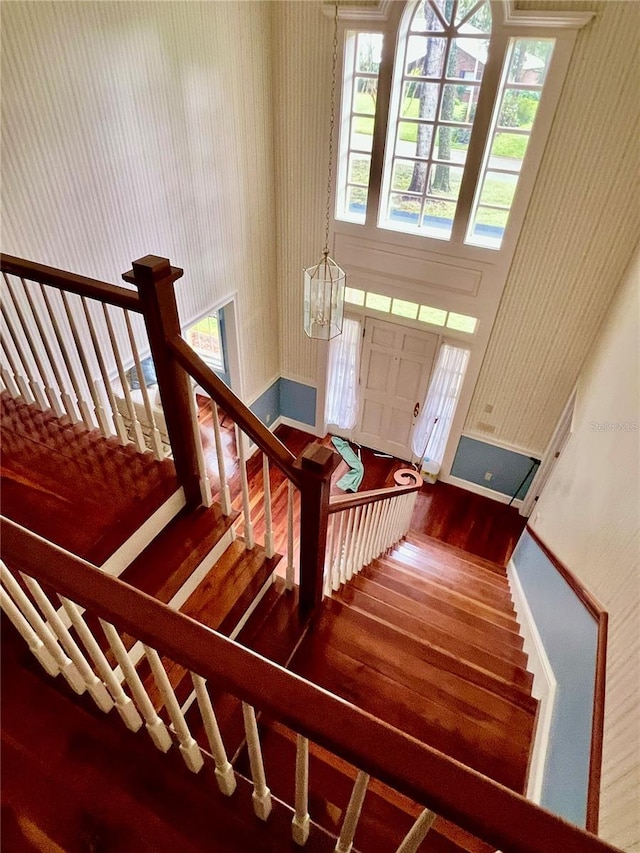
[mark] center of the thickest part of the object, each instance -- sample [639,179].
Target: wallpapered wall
[137,128]
[575,243]
[588,515]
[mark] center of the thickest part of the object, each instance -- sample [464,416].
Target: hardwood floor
[86,493]
[424,638]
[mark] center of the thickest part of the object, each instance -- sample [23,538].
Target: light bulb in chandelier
[324,285]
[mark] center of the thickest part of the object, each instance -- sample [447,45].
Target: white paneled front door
[394,376]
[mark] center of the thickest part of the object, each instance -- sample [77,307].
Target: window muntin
[411,310]
[360,91]
[436,86]
[526,66]
[205,337]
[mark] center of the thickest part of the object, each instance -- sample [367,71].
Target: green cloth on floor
[352,479]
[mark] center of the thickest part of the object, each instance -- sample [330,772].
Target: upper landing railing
[114,359]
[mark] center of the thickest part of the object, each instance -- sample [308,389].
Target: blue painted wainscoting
[569,634]
[474,458]
[288,398]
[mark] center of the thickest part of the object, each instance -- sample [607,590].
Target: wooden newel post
[316,462]
[154,277]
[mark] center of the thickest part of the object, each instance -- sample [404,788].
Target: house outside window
[205,337]
[457,92]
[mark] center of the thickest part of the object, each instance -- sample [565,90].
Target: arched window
[436,119]
[440,61]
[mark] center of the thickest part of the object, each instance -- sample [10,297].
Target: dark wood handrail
[92,288]
[464,796]
[338,503]
[236,409]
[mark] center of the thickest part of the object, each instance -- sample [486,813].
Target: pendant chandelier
[324,282]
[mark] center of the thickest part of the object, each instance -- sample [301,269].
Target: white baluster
[157,730]
[328,556]
[98,410]
[65,665]
[366,533]
[44,657]
[154,432]
[62,405]
[205,484]
[124,705]
[41,390]
[375,530]
[138,436]
[290,573]
[346,563]
[83,408]
[118,423]
[249,540]
[348,831]
[224,771]
[96,688]
[22,374]
[355,539]
[12,379]
[417,833]
[225,497]
[300,823]
[339,557]
[261,795]
[269,546]
[188,747]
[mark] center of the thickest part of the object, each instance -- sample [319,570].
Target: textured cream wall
[146,127]
[589,515]
[577,239]
[302,80]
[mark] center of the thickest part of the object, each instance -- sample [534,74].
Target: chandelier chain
[332,122]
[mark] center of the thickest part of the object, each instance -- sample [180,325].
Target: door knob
[416,409]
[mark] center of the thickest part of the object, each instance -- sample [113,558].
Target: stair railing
[441,785]
[364,526]
[70,344]
[80,348]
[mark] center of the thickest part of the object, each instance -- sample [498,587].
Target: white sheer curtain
[341,407]
[434,422]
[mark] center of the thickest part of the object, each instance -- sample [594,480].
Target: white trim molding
[544,684]
[554,20]
[468,486]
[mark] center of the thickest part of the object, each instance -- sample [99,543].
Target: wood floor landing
[73,487]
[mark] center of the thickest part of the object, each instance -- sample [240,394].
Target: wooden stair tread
[412,563]
[440,546]
[446,601]
[496,757]
[438,557]
[430,614]
[457,595]
[483,699]
[166,563]
[449,649]
[219,602]
[453,566]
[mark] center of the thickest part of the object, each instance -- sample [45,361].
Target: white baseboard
[296,425]
[135,544]
[544,684]
[500,497]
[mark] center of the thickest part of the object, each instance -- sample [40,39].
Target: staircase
[425,639]
[405,691]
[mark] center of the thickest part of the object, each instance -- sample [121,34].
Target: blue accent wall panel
[474,458]
[298,401]
[288,398]
[570,637]
[267,406]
